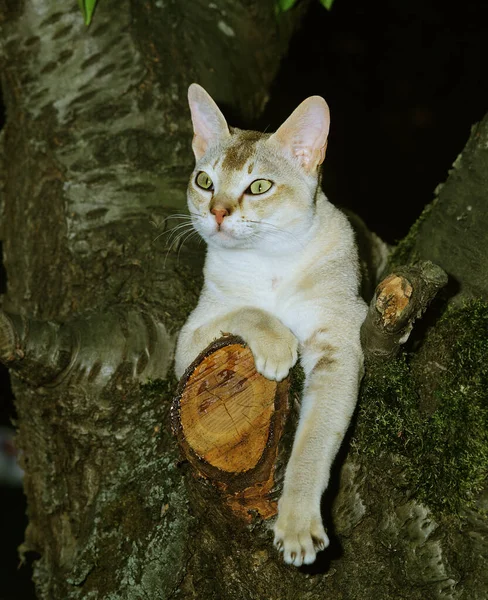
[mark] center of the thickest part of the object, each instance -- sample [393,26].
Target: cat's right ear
[209,124]
[304,134]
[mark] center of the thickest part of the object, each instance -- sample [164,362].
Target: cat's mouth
[223,236]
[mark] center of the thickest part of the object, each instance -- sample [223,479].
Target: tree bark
[451,232]
[94,157]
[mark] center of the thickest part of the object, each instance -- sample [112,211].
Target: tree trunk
[452,229]
[94,157]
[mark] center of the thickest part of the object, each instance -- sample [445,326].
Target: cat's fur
[281,272]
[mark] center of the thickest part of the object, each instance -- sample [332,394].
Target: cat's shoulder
[335,222]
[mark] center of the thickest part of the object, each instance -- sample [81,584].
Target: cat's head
[255,190]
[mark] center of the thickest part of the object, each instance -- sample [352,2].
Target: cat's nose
[220,214]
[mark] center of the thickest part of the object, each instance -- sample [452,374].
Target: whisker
[158,224]
[181,239]
[177,235]
[179,226]
[173,230]
[188,223]
[170,248]
[180,216]
[277,231]
[186,239]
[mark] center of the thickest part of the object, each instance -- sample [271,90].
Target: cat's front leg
[332,377]
[274,347]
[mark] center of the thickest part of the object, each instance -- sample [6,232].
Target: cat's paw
[274,354]
[299,534]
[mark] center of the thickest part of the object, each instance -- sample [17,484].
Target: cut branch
[399,299]
[229,420]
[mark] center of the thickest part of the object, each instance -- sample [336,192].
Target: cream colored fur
[282,272]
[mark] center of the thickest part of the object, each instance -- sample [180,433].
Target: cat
[282,272]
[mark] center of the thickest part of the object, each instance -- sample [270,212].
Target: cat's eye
[259,187]
[203,180]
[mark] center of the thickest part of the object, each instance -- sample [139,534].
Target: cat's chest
[259,282]
[276,282]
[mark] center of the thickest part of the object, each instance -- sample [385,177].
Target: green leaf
[87,7]
[327,3]
[284,5]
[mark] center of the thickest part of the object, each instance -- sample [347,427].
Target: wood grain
[226,409]
[229,420]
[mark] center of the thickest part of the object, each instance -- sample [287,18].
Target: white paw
[299,534]
[274,354]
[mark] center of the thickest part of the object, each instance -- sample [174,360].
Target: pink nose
[220,214]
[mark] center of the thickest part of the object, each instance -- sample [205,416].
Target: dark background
[405,80]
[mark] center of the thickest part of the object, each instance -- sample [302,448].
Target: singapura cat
[282,272]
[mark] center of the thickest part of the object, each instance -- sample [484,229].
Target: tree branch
[400,298]
[93,347]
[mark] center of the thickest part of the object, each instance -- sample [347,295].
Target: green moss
[388,417]
[443,450]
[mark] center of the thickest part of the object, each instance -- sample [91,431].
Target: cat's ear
[304,133]
[209,124]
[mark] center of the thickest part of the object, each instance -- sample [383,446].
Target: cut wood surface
[229,419]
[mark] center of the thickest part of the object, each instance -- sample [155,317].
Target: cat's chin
[224,239]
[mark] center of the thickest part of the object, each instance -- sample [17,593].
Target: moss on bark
[430,410]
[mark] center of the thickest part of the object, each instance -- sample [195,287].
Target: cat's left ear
[209,124]
[304,133]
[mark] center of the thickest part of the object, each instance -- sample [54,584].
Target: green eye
[259,187]
[204,181]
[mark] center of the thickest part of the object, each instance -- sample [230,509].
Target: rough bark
[94,156]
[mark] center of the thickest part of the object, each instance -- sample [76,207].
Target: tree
[94,158]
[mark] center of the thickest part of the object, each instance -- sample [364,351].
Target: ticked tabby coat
[281,272]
